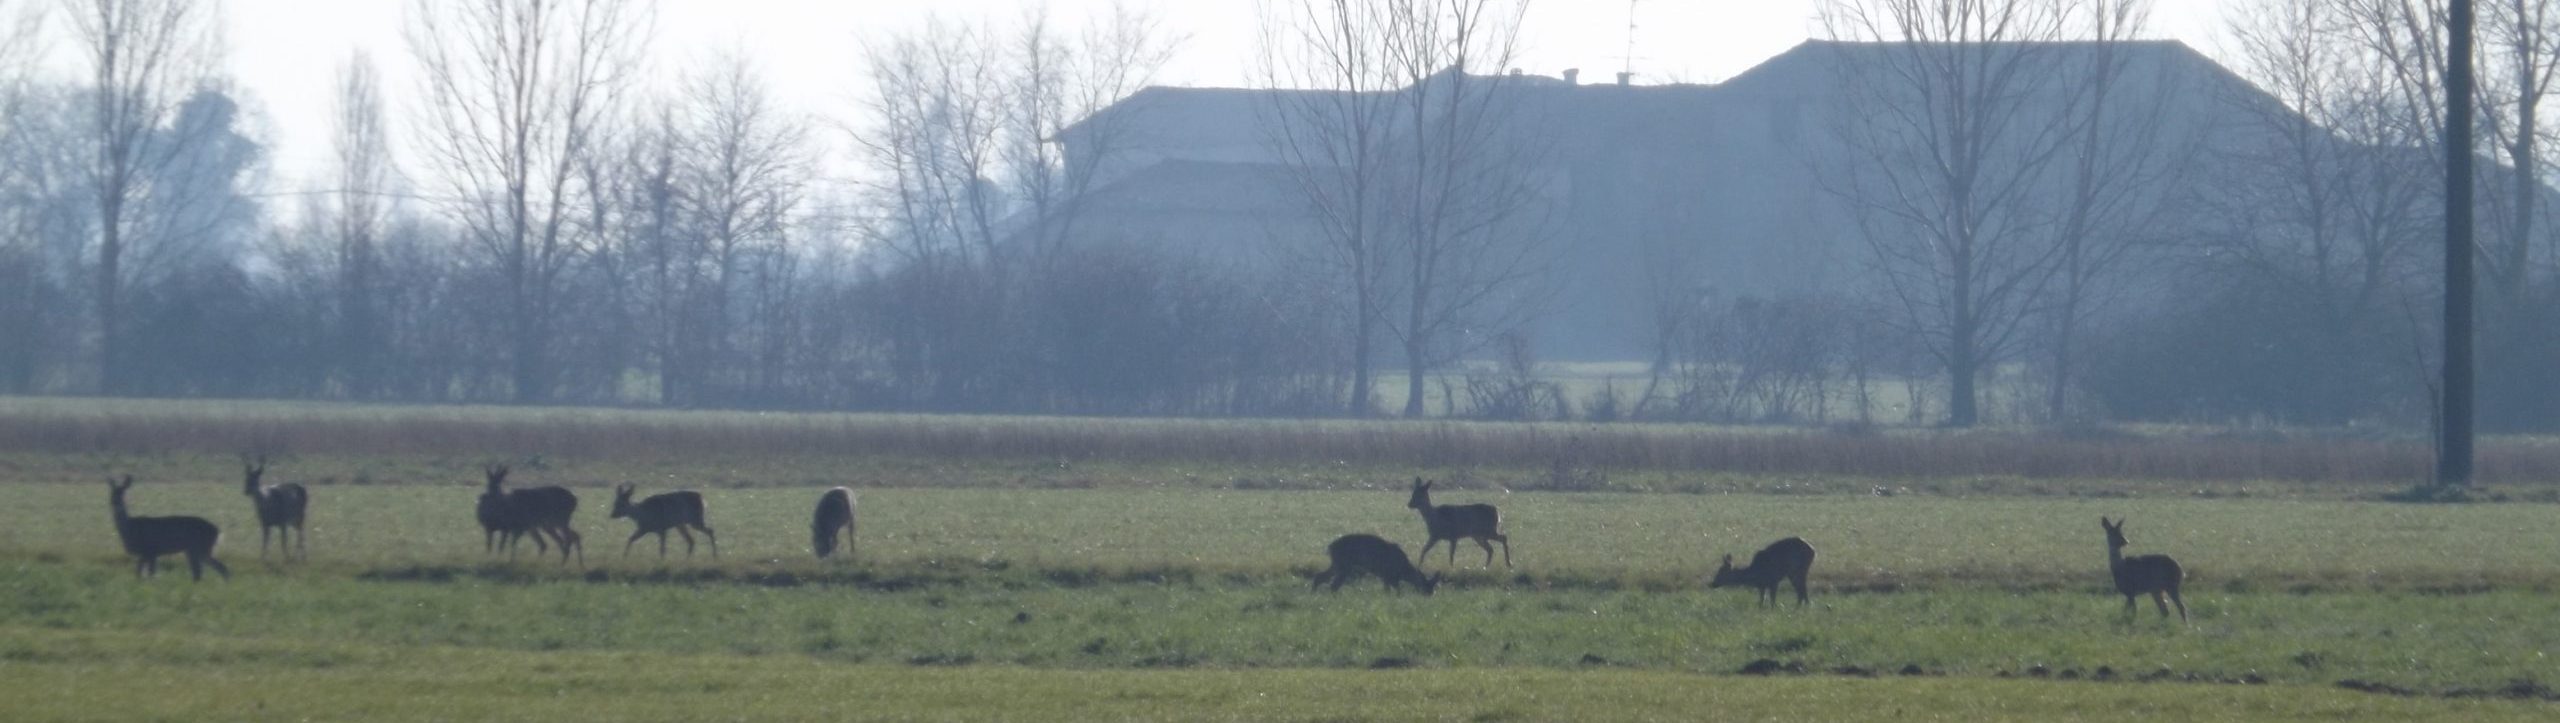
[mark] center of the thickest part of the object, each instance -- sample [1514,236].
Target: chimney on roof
[1624,77]
[1573,76]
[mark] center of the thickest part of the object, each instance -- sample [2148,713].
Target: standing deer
[1481,523]
[508,516]
[2154,574]
[1355,554]
[835,514]
[1789,560]
[499,523]
[662,512]
[279,509]
[148,539]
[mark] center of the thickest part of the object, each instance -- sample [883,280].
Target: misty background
[1888,212]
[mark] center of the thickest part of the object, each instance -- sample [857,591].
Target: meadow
[1173,586]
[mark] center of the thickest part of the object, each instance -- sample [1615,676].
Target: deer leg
[263,532]
[2163,601]
[1320,578]
[1506,551]
[1341,577]
[2128,605]
[1453,553]
[626,544]
[2182,604]
[707,534]
[688,540]
[1800,596]
[140,564]
[1488,551]
[209,560]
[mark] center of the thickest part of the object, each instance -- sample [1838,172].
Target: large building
[1734,189]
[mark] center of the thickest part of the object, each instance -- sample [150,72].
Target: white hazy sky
[285,52]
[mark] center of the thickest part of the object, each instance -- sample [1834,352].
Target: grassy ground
[2308,593]
[1133,569]
[73,438]
[73,676]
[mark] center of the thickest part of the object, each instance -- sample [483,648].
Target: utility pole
[2453,450]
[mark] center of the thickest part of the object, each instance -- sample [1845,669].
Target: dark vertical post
[2453,451]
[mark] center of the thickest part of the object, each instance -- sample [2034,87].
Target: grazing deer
[1355,554]
[835,514]
[1787,560]
[1481,523]
[279,509]
[662,512]
[2154,574]
[148,539]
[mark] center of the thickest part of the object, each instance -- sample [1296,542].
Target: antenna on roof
[1630,70]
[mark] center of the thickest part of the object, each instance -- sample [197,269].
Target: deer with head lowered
[1355,554]
[1788,560]
[2136,576]
[835,515]
[1481,523]
[279,509]
[659,513]
[148,539]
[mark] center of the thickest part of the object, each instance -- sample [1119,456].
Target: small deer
[148,539]
[1355,554]
[835,514]
[1481,523]
[2153,574]
[1787,560]
[279,509]
[662,512]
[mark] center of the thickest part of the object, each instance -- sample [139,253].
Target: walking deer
[1481,523]
[1788,560]
[279,509]
[148,539]
[2135,576]
[1355,554]
[835,514]
[659,513]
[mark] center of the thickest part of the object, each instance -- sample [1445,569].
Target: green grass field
[1168,588]
[960,584]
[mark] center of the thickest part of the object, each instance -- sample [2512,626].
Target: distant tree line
[577,227]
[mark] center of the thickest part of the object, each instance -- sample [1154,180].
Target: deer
[148,539]
[279,509]
[835,514]
[1358,553]
[1788,560]
[1481,523]
[507,516]
[2135,576]
[659,513]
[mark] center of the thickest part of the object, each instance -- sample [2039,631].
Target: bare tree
[1329,121]
[974,198]
[1422,174]
[1955,118]
[144,59]
[365,175]
[744,176]
[23,198]
[2327,201]
[518,91]
[2129,162]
